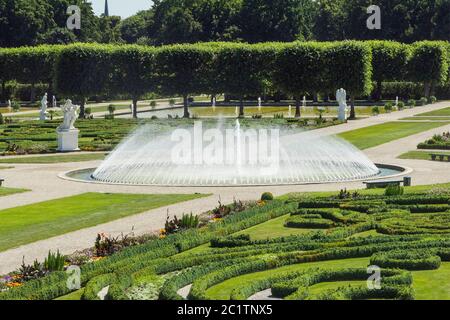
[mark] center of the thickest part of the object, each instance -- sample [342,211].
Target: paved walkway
[43,180]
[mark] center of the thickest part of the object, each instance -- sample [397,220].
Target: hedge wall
[298,68]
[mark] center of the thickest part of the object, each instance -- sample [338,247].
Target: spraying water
[229,155]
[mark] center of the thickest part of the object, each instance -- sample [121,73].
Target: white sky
[123,8]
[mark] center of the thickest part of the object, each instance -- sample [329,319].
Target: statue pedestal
[68,140]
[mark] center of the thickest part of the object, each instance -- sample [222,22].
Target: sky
[123,8]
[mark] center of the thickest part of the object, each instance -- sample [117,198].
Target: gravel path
[44,183]
[264,295]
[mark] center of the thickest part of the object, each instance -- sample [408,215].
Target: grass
[367,192]
[9,191]
[223,290]
[432,284]
[273,229]
[436,113]
[427,118]
[56,158]
[376,135]
[26,224]
[420,155]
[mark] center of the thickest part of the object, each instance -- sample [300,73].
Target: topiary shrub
[409,260]
[401,105]
[267,196]
[388,107]
[375,111]
[423,101]
[394,190]
[432,100]
[411,103]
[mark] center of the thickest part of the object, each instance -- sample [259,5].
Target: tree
[389,62]
[349,66]
[83,70]
[110,27]
[136,27]
[23,21]
[134,72]
[184,70]
[242,69]
[277,20]
[298,70]
[32,65]
[429,64]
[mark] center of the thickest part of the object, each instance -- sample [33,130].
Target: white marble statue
[341,97]
[9,105]
[43,112]
[259,103]
[70,116]
[67,133]
[214,103]
[54,102]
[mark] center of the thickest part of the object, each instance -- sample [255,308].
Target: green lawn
[420,155]
[26,224]
[432,284]
[437,113]
[373,136]
[272,229]
[56,158]
[427,118]
[223,290]
[8,191]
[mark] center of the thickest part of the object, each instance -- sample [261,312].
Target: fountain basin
[385,172]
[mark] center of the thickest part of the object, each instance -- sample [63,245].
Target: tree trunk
[241,107]
[433,88]
[135,102]
[82,108]
[33,93]
[186,106]
[4,92]
[297,108]
[427,87]
[352,108]
[378,91]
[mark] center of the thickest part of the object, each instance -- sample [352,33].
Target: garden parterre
[411,232]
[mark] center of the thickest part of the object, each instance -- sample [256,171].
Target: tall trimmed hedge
[184,70]
[299,69]
[389,61]
[349,67]
[429,64]
[133,72]
[80,71]
[30,65]
[241,69]
[83,70]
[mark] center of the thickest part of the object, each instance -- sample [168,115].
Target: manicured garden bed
[43,220]
[230,258]
[419,155]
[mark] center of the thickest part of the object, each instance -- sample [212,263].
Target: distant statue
[70,116]
[9,104]
[54,102]
[43,112]
[341,97]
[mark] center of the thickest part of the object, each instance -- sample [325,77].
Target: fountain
[230,155]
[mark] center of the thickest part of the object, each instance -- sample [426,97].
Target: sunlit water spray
[235,156]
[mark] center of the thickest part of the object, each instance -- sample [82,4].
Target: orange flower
[13,284]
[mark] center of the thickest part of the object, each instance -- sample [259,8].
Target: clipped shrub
[388,107]
[411,103]
[423,101]
[401,105]
[376,110]
[409,260]
[267,196]
[394,190]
